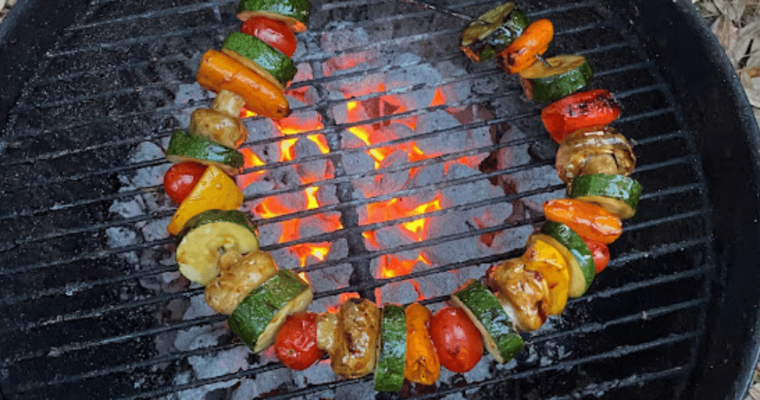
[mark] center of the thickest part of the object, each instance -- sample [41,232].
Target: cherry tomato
[296,343]
[181,178]
[601,254]
[272,32]
[456,339]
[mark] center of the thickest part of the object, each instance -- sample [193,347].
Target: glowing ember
[245,113]
[391,266]
[305,277]
[342,298]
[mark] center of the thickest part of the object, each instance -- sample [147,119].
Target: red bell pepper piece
[580,110]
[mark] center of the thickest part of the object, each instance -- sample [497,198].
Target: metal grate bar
[590,328]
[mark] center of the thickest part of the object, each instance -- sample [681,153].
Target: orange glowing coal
[295,124]
[251,160]
[342,298]
[391,266]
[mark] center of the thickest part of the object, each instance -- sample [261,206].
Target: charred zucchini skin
[488,47]
[211,216]
[389,371]
[184,145]
[575,245]
[280,66]
[616,187]
[298,11]
[554,87]
[256,311]
[481,304]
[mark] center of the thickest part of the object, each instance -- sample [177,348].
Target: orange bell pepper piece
[219,71]
[521,54]
[586,219]
[422,364]
[545,259]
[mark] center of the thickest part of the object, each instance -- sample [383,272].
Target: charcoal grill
[92,305]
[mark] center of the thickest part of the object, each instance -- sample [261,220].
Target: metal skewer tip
[543,61]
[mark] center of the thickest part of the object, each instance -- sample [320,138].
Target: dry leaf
[745,36]
[732,9]
[2,4]
[727,34]
[753,94]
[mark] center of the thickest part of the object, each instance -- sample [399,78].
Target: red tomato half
[272,32]
[181,178]
[601,254]
[457,341]
[296,342]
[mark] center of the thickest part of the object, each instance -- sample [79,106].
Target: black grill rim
[675,34]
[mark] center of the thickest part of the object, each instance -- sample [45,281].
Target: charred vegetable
[525,290]
[586,219]
[239,275]
[391,350]
[260,315]
[617,193]
[545,259]
[492,32]
[495,326]
[594,151]
[562,77]
[214,191]
[422,364]
[522,53]
[218,127]
[295,13]
[350,337]
[578,111]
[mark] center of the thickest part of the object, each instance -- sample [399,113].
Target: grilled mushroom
[350,337]
[594,151]
[239,275]
[526,291]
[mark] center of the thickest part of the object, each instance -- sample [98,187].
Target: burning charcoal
[454,251]
[317,374]
[155,229]
[349,140]
[491,215]
[326,195]
[436,285]
[342,35]
[409,76]
[219,363]
[535,178]
[355,390]
[441,143]
[457,91]
[121,237]
[399,292]
[260,129]
[314,225]
[357,162]
[511,239]
[392,237]
[261,383]
[391,132]
[338,250]
[330,278]
[255,183]
[350,62]
[304,72]
[311,171]
[393,181]
[421,181]
[479,137]
[467,192]
[365,186]
[286,259]
[128,209]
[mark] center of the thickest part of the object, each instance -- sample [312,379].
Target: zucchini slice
[391,349]
[488,315]
[579,258]
[260,316]
[295,13]
[492,32]
[618,194]
[188,147]
[262,58]
[204,235]
[567,74]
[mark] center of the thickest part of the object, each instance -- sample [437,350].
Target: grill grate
[88,319]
